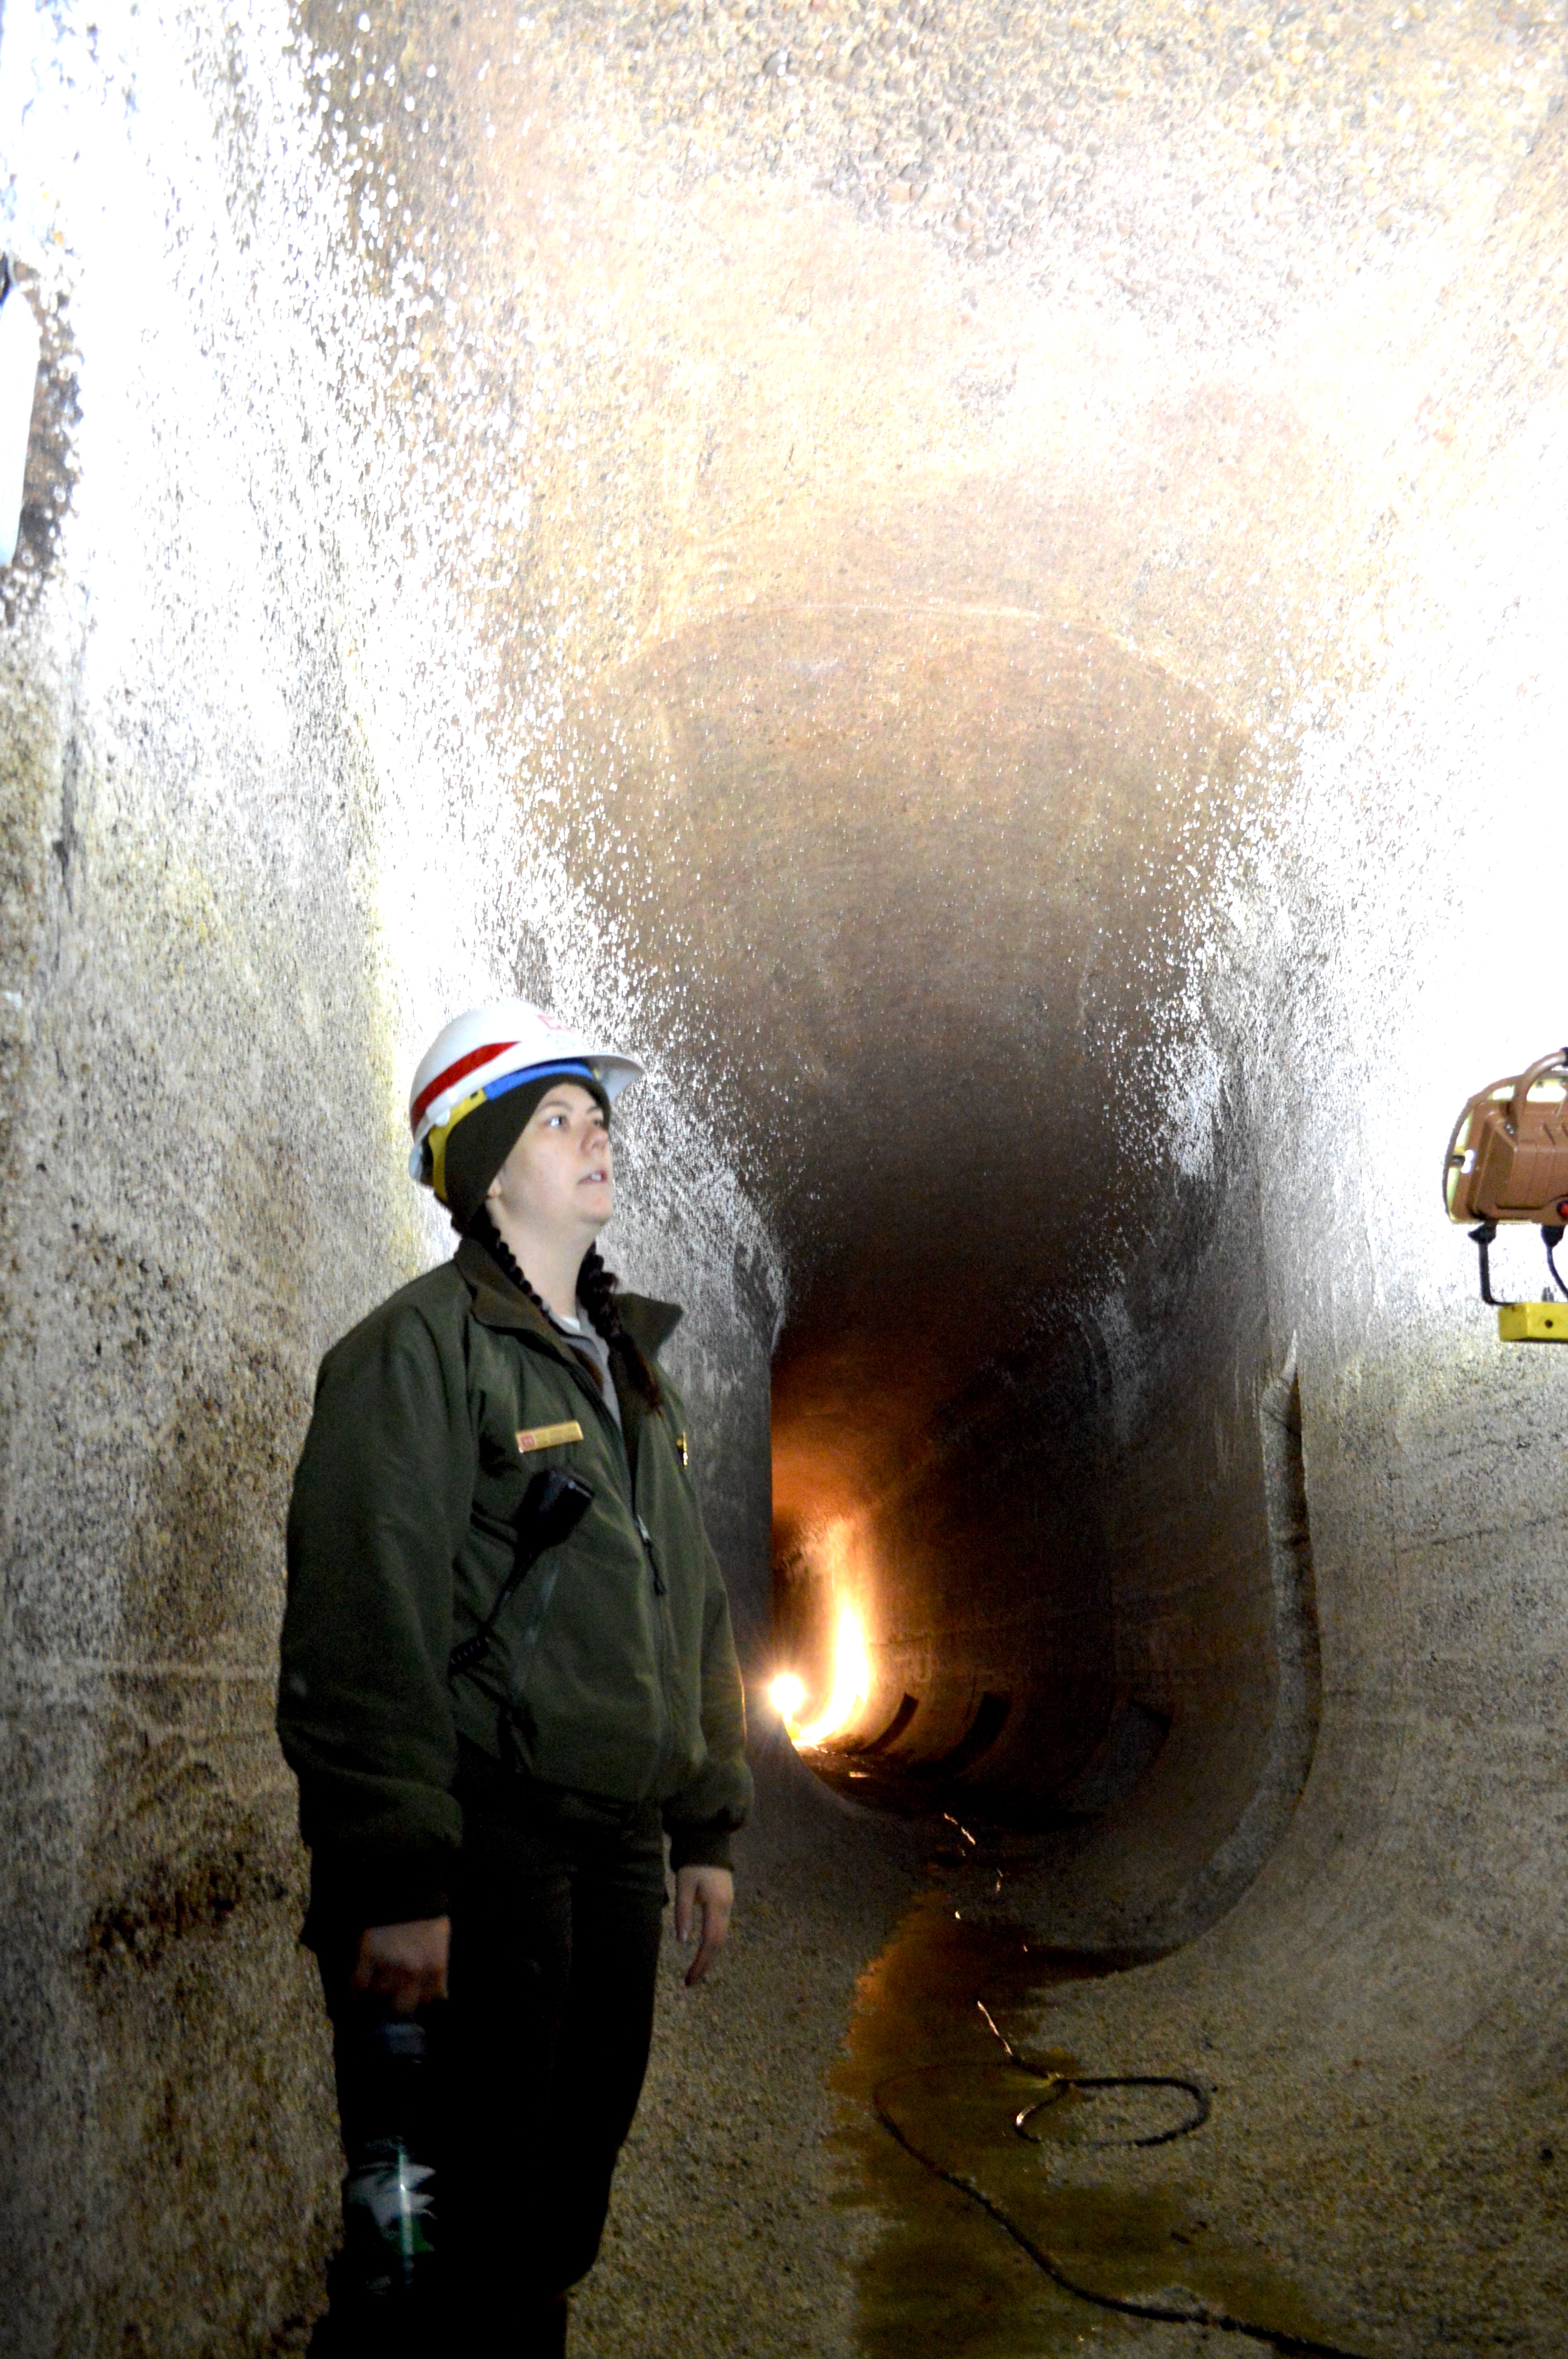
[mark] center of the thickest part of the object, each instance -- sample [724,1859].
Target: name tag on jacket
[547,1436]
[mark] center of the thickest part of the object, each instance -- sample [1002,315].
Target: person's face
[559,1178]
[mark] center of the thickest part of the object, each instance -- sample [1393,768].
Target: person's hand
[704,1898]
[404,1964]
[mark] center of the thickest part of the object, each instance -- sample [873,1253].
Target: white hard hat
[490,1050]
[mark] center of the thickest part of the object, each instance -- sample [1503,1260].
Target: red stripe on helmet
[443,1080]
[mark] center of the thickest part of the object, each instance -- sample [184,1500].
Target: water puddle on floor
[1031,2202]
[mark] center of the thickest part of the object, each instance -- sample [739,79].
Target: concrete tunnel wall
[983,584]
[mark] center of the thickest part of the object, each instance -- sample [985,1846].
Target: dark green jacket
[400,1537]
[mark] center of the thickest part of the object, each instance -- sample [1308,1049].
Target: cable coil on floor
[1293,2346]
[1066,2081]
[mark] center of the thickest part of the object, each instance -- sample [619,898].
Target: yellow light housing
[1533,1323]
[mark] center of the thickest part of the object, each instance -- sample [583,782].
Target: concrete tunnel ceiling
[914,476]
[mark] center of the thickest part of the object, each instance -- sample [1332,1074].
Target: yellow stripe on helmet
[437,1142]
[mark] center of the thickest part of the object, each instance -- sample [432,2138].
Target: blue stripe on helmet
[576,1070]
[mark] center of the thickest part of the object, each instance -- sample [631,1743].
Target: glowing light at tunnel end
[786,1694]
[848,1692]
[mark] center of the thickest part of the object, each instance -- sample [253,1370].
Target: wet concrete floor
[860,2140]
[1033,2203]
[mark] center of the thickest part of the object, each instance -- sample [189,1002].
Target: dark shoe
[543,2331]
[355,2327]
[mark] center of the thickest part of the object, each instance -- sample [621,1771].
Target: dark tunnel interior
[984,856]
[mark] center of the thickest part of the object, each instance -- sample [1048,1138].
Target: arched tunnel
[983,584]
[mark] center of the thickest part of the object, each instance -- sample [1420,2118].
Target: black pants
[535,2061]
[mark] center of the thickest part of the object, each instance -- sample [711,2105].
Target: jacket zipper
[661,1642]
[646,1538]
[661,1589]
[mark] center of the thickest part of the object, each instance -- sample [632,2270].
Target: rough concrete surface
[984,584]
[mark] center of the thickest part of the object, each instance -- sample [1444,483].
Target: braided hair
[595,1289]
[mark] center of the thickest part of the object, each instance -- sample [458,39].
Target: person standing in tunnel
[507,1676]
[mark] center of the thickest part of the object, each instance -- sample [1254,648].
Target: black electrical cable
[1482,1239]
[1066,2081]
[1552,1242]
[1293,2346]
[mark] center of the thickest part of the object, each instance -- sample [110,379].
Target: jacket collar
[497,1303]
